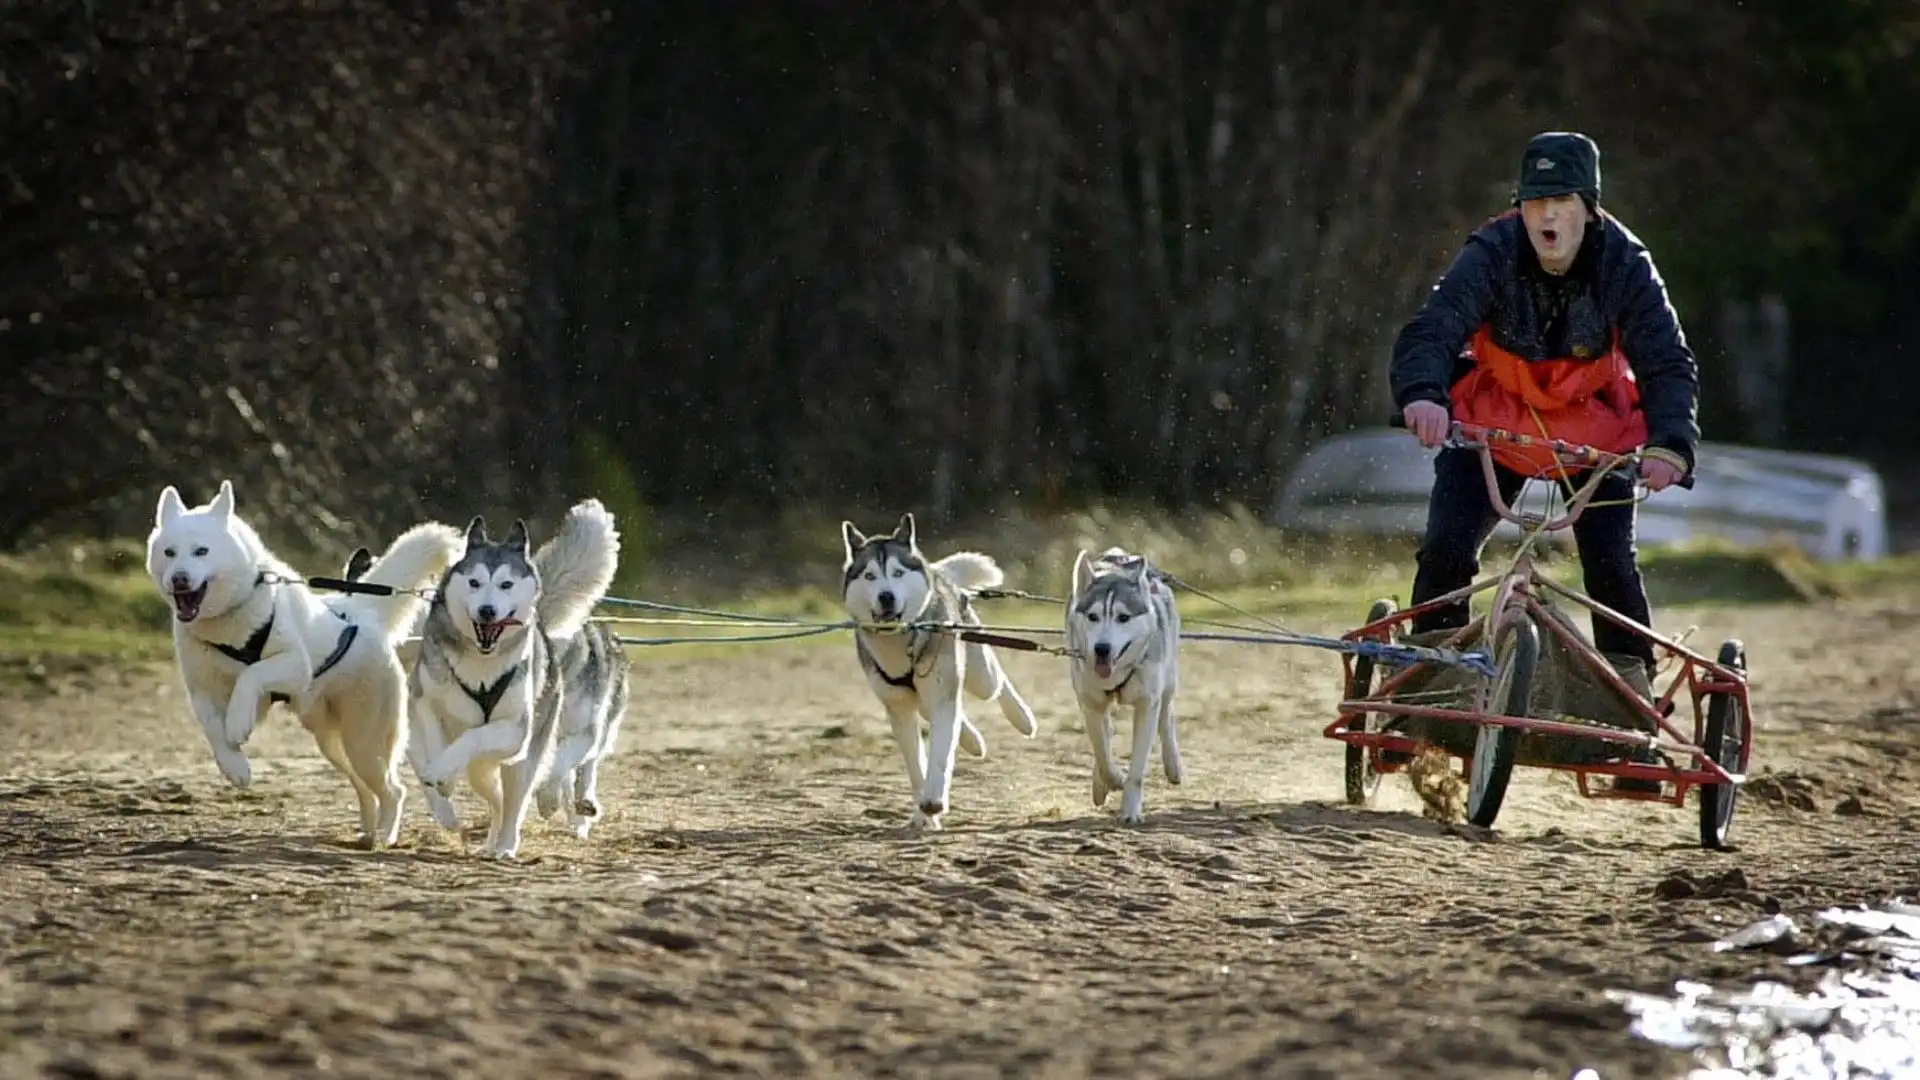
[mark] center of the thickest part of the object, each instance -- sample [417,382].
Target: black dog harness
[249,652]
[489,695]
[917,642]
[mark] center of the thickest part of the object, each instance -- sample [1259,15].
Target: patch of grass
[94,601]
[96,586]
[64,609]
[1716,572]
[717,559]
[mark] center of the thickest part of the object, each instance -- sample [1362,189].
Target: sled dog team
[474,657]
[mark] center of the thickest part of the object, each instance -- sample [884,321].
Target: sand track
[752,906]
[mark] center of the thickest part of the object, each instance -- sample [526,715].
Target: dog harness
[487,696]
[1114,690]
[918,640]
[904,682]
[248,653]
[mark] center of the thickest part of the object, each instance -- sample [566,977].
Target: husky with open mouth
[248,632]
[514,687]
[1124,633]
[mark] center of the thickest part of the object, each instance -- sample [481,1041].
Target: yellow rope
[1531,535]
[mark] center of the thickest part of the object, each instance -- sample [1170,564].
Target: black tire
[1726,732]
[1516,654]
[1362,780]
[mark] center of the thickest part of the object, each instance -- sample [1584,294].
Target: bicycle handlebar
[1582,456]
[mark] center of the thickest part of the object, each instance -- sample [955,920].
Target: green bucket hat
[1559,163]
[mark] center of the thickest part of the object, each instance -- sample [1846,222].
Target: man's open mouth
[186,602]
[487,634]
[1551,236]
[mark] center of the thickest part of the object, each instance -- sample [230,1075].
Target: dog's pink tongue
[1102,668]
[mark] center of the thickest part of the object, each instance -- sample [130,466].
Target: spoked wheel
[1726,733]
[1516,652]
[1362,779]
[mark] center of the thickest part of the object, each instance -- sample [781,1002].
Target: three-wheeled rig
[1554,700]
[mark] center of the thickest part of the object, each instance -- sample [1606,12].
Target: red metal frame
[1517,590]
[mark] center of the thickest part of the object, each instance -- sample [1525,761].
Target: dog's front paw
[586,808]
[438,775]
[442,809]
[235,767]
[971,741]
[1133,810]
[239,728]
[1175,769]
[1101,789]
[921,821]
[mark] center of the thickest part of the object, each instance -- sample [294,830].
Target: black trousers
[1460,518]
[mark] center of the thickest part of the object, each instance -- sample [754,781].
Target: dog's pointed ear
[907,531]
[517,536]
[170,506]
[851,539]
[223,501]
[1082,570]
[358,564]
[476,531]
[1149,575]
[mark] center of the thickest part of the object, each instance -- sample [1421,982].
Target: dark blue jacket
[1612,285]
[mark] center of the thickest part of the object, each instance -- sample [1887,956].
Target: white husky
[919,673]
[1124,632]
[248,633]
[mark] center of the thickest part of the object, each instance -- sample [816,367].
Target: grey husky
[514,686]
[1124,633]
[919,673]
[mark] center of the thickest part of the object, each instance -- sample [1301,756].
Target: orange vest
[1591,402]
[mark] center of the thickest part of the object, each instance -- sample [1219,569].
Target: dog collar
[1114,691]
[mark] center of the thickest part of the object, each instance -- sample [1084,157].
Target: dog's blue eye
[899,573]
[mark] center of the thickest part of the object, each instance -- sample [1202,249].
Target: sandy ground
[752,906]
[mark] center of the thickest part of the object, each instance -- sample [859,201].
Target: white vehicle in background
[1375,481]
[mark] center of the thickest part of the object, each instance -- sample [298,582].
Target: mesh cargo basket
[1564,689]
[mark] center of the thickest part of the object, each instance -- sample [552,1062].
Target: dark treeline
[383,259]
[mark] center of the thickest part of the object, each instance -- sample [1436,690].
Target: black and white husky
[1124,633]
[514,686]
[917,673]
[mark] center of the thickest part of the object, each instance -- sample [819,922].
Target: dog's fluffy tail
[417,559]
[971,570]
[576,567]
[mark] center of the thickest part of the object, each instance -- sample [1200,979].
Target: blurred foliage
[397,258]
